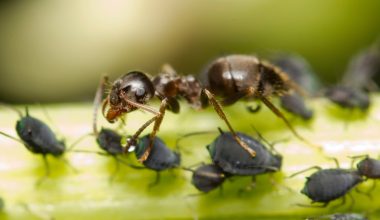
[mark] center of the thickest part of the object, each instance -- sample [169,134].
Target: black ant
[38,138]
[232,78]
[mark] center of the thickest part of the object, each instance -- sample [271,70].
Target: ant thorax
[172,85]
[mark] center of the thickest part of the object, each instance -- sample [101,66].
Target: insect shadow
[39,139]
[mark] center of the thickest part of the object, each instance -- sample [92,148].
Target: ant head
[134,86]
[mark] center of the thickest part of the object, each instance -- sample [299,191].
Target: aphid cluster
[225,81]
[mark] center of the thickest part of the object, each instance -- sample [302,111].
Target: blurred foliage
[54,51]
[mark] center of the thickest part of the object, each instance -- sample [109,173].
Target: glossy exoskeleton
[326,185]
[160,158]
[38,138]
[208,177]
[133,90]
[237,77]
[300,72]
[232,159]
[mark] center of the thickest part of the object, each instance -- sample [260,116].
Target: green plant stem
[89,193]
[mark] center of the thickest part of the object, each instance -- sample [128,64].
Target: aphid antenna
[303,171]
[12,108]
[48,117]
[11,137]
[107,155]
[191,134]
[335,161]
[271,145]
[78,140]
[357,157]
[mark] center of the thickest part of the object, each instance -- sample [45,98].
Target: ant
[232,78]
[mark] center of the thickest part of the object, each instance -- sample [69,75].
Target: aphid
[38,138]
[348,97]
[207,177]
[326,185]
[295,104]
[300,72]
[368,167]
[232,159]
[359,78]
[340,216]
[160,158]
[363,71]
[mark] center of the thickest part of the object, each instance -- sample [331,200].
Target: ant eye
[140,92]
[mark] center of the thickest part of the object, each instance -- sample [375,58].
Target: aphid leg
[97,101]
[221,191]
[156,181]
[77,141]
[249,187]
[219,111]
[368,193]
[324,205]
[47,171]
[277,112]
[156,127]
[343,202]
[115,171]
[305,170]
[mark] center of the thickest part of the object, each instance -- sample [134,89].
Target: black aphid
[160,158]
[38,138]
[348,97]
[208,177]
[369,168]
[326,185]
[232,159]
[300,72]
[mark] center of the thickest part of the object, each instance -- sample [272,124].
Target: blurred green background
[56,51]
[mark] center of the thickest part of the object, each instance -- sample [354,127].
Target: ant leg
[97,100]
[157,122]
[277,112]
[305,170]
[156,181]
[47,171]
[219,111]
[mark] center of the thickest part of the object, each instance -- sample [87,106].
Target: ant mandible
[231,77]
